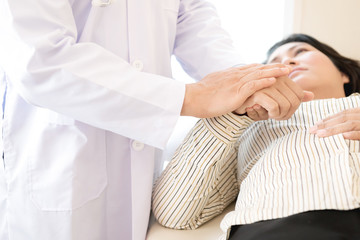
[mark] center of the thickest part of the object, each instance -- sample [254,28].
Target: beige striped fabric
[273,168]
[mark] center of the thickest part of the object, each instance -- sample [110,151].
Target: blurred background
[255,25]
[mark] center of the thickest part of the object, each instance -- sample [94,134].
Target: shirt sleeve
[201,179]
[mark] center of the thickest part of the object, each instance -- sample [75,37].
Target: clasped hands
[261,91]
[278,101]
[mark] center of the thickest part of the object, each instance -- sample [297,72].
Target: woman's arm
[201,179]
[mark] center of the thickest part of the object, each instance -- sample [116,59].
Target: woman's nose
[289,61]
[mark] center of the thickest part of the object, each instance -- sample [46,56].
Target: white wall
[336,22]
[254,25]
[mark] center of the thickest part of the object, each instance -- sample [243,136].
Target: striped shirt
[273,168]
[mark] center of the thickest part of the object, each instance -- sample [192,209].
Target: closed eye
[300,50]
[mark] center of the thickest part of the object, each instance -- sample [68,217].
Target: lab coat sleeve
[202,46]
[84,81]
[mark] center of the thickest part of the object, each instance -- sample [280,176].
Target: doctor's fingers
[261,72]
[254,66]
[245,90]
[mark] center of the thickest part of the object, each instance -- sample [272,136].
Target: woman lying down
[293,179]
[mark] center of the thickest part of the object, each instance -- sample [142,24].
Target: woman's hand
[279,101]
[346,123]
[257,113]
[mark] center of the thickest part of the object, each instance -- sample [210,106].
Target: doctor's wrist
[188,108]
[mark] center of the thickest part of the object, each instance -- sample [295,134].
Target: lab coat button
[138,65]
[138,146]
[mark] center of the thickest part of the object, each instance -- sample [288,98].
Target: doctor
[87,97]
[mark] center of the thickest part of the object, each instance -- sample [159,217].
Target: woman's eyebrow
[288,50]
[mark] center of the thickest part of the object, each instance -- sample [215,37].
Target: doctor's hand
[225,91]
[346,123]
[279,101]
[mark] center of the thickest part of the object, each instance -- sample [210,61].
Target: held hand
[346,123]
[222,92]
[278,102]
[257,113]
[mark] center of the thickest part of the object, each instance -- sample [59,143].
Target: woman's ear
[345,79]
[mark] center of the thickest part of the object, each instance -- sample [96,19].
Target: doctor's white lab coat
[87,98]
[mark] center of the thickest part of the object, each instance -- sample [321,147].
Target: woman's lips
[295,71]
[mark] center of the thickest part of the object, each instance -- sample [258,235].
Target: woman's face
[311,69]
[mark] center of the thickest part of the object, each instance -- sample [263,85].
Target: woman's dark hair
[349,67]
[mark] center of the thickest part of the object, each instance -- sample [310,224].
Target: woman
[289,183]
